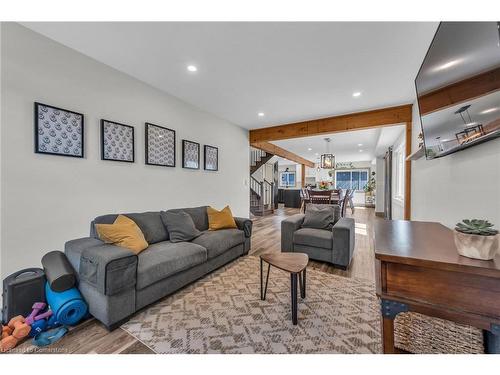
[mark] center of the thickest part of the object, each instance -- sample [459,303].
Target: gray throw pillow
[180,226]
[318,217]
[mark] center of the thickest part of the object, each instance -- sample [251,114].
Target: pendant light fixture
[328,159]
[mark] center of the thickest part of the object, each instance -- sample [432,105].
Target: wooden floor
[92,337]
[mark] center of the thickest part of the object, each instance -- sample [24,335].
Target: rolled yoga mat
[68,306]
[58,271]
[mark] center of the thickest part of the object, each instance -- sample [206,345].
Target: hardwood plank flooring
[91,337]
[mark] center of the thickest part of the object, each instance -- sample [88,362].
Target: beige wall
[47,200]
[458,186]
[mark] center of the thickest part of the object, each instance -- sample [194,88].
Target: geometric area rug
[223,313]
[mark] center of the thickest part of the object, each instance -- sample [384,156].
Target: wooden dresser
[418,269]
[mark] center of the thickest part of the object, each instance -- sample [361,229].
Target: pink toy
[35,314]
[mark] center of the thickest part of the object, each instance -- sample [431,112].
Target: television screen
[458,87]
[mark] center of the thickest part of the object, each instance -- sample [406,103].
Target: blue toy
[68,307]
[43,325]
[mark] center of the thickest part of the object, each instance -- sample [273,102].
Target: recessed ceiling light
[309,149]
[360,150]
[316,154]
[260,114]
[489,110]
[447,65]
[192,68]
[360,144]
[356,94]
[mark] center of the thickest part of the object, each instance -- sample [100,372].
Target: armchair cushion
[313,237]
[318,216]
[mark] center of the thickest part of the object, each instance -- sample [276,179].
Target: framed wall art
[211,158]
[117,141]
[58,131]
[190,154]
[160,145]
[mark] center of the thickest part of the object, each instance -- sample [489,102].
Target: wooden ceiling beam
[278,151]
[352,121]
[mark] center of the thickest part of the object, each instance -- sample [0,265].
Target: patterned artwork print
[160,145]
[59,131]
[211,158]
[118,141]
[191,154]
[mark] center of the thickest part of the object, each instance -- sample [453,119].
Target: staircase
[257,159]
[261,197]
[261,193]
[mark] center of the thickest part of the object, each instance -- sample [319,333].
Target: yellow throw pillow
[220,219]
[123,232]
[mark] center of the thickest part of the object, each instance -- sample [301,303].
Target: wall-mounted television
[458,87]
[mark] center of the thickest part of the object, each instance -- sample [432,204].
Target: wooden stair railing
[261,197]
[258,158]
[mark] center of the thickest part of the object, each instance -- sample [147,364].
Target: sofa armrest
[108,268]
[245,225]
[343,241]
[288,227]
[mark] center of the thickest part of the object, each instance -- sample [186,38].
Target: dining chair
[344,203]
[304,196]
[320,197]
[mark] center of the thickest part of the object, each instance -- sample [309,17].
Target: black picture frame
[147,125]
[185,142]
[38,150]
[103,156]
[205,148]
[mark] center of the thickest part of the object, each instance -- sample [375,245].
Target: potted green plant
[370,186]
[476,239]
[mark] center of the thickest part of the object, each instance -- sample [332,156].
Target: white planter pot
[476,246]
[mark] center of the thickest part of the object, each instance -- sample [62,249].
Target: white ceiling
[345,145]
[289,71]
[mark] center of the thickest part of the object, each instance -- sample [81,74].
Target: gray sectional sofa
[116,283]
[335,245]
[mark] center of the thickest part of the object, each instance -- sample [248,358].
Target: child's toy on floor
[37,313]
[40,320]
[16,330]
[49,337]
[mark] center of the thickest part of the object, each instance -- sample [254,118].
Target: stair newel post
[262,197]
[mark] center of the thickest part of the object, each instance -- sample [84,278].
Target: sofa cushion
[124,232]
[222,219]
[151,225]
[149,222]
[217,242]
[180,226]
[198,214]
[313,237]
[164,259]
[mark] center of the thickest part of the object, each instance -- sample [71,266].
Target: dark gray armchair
[335,245]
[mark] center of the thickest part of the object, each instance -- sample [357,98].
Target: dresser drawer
[461,291]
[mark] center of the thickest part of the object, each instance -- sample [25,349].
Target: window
[399,172]
[287,179]
[355,179]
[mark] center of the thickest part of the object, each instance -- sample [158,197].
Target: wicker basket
[421,334]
